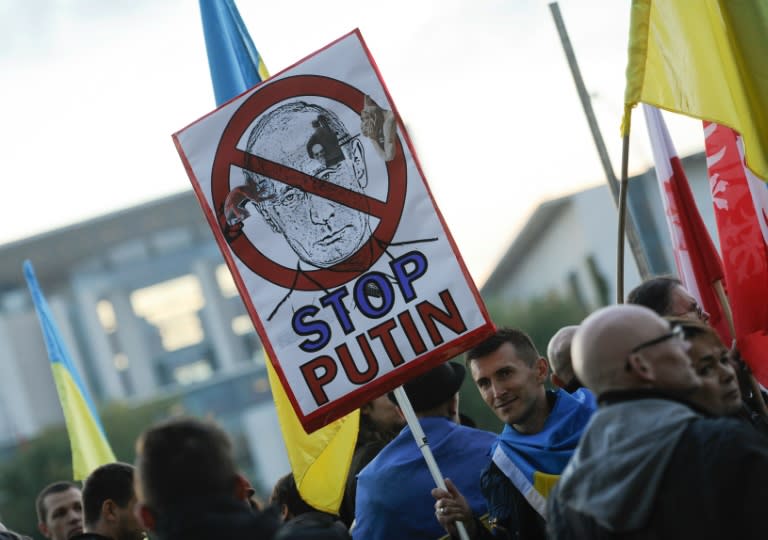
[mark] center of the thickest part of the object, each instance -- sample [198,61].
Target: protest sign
[314,195]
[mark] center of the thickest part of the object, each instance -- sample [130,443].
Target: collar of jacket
[612,397]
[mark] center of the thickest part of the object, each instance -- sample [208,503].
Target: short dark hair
[56,487]
[111,481]
[655,294]
[286,493]
[184,458]
[521,341]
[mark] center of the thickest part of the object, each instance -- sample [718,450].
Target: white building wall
[598,222]
[587,226]
[545,266]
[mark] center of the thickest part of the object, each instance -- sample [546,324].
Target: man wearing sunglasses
[650,464]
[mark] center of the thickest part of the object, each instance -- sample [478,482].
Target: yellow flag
[320,461]
[90,448]
[707,59]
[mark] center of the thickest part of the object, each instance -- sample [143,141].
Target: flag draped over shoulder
[89,444]
[697,260]
[705,59]
[534,462]
[741,210]
[320,461]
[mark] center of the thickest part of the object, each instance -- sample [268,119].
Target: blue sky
[93,90]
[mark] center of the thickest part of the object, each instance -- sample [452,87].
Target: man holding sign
[542,429]
[393,490]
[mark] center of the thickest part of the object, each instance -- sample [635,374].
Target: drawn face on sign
[321,231]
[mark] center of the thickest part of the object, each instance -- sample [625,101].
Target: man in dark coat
[188,486]
[651,465]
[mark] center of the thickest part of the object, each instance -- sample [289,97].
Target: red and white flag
[741,210]
[697,260]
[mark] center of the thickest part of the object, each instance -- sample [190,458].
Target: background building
[568,246]
[147,309]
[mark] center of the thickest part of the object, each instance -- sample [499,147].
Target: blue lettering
[374,284]
[342,315]
[403,277]
[307,328]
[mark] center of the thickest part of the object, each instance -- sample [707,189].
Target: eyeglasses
[676,332]
[697,310]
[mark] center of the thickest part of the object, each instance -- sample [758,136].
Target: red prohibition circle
[388,212]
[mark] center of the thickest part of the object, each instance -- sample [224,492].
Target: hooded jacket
[652,467]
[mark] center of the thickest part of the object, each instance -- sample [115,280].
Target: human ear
[542,369]
[108,510]
[358,163]
[242,488]
[145,516]
[640,367]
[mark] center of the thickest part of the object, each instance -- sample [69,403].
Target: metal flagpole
[632,235]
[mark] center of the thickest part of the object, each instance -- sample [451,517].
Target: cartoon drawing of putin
[313,140]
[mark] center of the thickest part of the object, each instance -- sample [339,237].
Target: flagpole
[623,189]
[421,440]
[635,242]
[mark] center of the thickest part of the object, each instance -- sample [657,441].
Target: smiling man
[60,511]
[541,431]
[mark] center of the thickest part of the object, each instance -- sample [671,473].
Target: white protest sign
[317,202]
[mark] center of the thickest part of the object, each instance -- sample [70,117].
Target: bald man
[561,366]
[651,465]
[559,356]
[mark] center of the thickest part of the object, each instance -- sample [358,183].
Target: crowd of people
[640,424]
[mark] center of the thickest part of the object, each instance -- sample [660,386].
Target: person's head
[559,356]
[314,141]
[183,461]
[285,496]
[510,373]
[719,393]
[668,298]
[436,392]
[109,503]
[60,511]
[380,415]
[627,347]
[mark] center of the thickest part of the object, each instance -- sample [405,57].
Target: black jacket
[219,519]
[510,515]
[712,482]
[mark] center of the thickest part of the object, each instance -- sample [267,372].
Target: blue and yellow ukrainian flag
[89,444]
[320,461]
[534,462]
[234,62]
